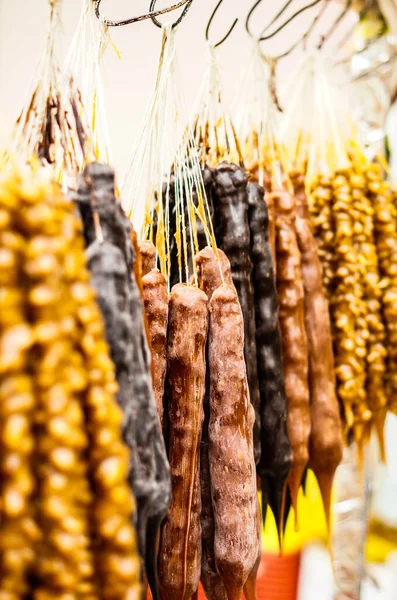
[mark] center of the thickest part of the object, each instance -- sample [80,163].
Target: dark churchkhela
[276,457]
[112,270]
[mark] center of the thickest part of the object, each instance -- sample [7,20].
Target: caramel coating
[231,456]
[211,269]
[180,546]
[323,226]
[294,340]
[155,296]
[326,439]
[148,255]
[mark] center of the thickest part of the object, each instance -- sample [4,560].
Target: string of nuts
[66,506]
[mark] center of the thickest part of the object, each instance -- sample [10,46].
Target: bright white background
[129,81]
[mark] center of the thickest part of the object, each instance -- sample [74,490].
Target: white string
[213,124]
[256,113]
[43,86]
[163,156]
[85,60]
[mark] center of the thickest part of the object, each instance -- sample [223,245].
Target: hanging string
[167,159]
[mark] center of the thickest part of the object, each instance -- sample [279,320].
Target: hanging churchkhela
[231,411]
[200,532]
[156,301]
[215,577]
[295,259]
[111,260]
[52,124]
[210,278]
[294,340]
[215,136]
[326,443]
[180,562]
[258,304]
[66,509]
[46,129]
[276,453]
[350,208]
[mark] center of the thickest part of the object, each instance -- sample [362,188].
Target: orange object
[278,578]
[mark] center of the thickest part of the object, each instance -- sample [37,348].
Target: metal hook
[179,20]
[303,39]
[275,18]
[150,15]
[249,15]
[207,31]
[335,24]
[262,37]
[288,21]
[278,15]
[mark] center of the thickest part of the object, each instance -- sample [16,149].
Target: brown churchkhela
[148,256]
[209,279]
[294,339]
[250,585]
[209,269]
[138,272]
[326,439]
[210,579]
[112,267]
[233,476]
[180,546]
[155,296]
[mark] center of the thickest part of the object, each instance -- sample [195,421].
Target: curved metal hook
[179,20]
[335,24]
[277,16]
[288,21]
[207,31]
[303,39]
[150,15]
[249,15]
[262,38]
